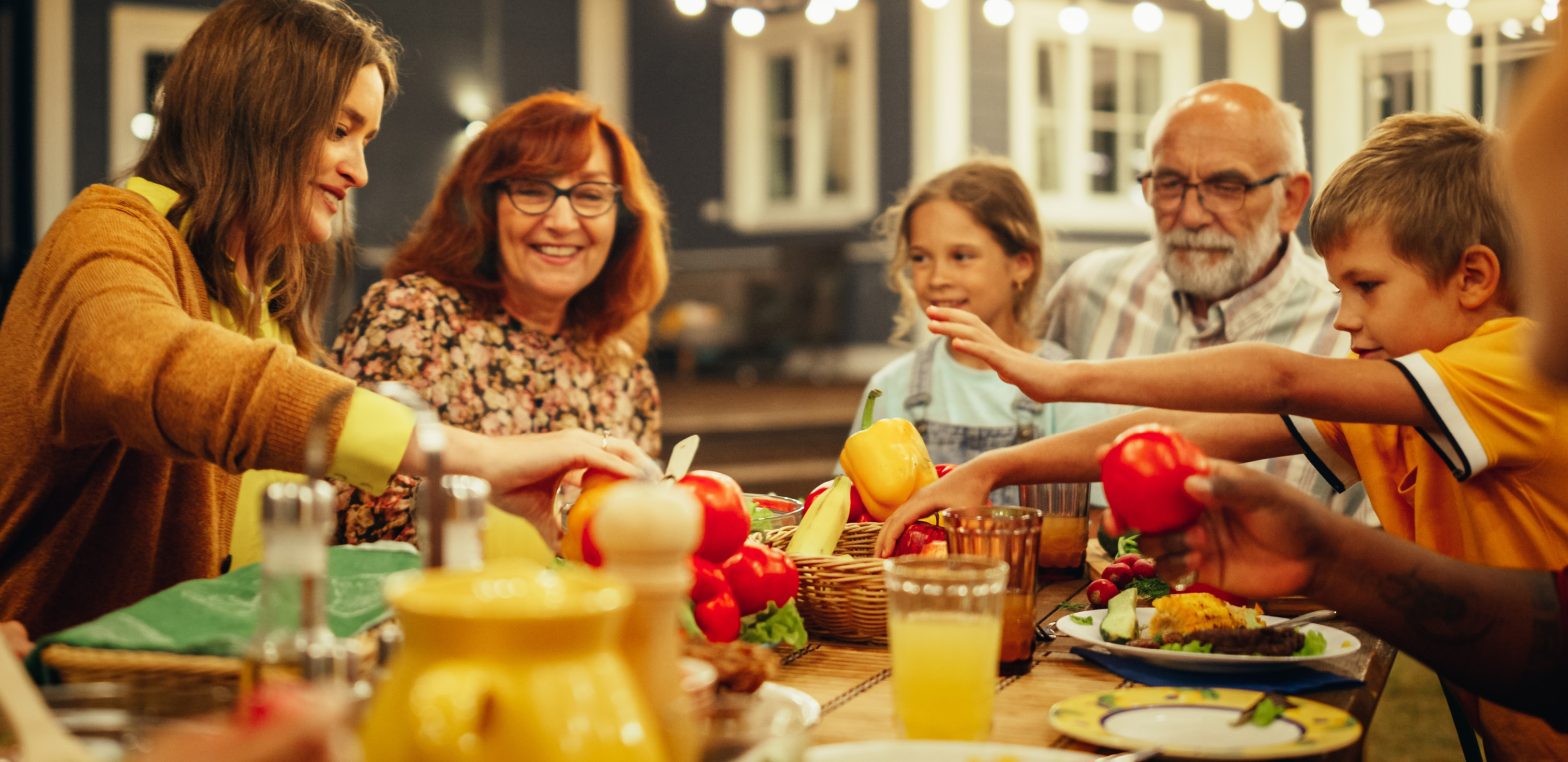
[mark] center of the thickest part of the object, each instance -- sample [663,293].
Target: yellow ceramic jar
[511,662]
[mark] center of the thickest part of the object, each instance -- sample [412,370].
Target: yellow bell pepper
[887,461]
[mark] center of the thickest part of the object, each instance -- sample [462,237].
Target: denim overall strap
[956,443]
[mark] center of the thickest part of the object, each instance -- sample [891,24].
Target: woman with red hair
[520,301]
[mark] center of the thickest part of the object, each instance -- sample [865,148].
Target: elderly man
[1228,184]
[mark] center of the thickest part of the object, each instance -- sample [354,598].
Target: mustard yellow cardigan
[126,415]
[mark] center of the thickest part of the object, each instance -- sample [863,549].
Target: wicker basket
[841,598]
[162,672]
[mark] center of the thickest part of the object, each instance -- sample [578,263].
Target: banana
[823,523]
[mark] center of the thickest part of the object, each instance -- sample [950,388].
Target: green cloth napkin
[215,616]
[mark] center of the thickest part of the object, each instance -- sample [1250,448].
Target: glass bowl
[770,512]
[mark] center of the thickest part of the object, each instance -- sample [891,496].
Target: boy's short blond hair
[1430,181]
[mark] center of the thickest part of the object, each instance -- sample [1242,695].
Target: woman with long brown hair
[520,301]
[159,340]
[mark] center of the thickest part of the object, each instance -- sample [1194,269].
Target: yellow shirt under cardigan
[375,433]
[1488,484]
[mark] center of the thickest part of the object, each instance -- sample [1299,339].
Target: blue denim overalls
[954,443]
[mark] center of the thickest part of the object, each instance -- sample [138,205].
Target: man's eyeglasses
[535,197]
[1165,192]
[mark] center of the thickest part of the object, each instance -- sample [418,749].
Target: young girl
[969,239]
[157,343]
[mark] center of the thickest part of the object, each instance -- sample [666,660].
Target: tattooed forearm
[1433,611]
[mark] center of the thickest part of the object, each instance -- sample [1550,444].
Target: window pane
[1516,49]
[837,87]
[1146,84]
[1047,140]
[781,127]
[1103,166]
[1395,82]
[1102,79]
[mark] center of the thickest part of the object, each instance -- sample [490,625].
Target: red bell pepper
[718,618]
[706,580]
[917,537]
[758,575]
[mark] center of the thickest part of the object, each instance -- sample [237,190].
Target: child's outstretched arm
[1249,377]
[1073,457]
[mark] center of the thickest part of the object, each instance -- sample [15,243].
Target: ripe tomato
[1144,474]
[706,580]
[725,521]
[718,618]
[759,574]
[578,544]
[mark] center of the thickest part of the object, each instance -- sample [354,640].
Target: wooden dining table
[853,682]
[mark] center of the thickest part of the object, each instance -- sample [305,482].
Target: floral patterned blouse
[491,374]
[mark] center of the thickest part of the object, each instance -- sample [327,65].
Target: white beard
[1210,264]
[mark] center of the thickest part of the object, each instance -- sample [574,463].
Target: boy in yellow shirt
[1456,439]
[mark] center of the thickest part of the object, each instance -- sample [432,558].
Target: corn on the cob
[1177,616]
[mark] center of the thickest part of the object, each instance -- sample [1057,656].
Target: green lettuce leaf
[1314,645]
[775,625]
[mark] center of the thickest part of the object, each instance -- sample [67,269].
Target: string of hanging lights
[749,17]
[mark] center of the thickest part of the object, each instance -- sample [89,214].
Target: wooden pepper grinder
[647,532]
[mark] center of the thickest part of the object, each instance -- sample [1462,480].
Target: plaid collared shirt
[1120,303]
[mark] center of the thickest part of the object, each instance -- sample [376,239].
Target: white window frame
[135,31]
[750,207]
[1076,207]
[1340,50]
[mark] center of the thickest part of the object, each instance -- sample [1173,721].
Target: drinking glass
[1064,530]
[944,624]
[1011,534]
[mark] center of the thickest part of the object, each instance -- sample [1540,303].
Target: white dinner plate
[940,751]
[1338,643]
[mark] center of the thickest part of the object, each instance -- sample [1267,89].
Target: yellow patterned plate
[1196,723]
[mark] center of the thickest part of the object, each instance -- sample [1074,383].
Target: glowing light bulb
[473,129]
[1147,17]
[1073,19]
[1239,10]
[998,12]
[820,12]
[1370,22]
[1271,6]
[748,22]
[1354,7]
[845,5]
[691,7]
[935,5]
[142,125]
[1549,11]
[1459,22]
[1292,14]
[1513,29]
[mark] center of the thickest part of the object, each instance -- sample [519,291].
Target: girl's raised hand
[969,334]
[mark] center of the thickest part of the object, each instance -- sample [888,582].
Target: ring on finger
[604,439]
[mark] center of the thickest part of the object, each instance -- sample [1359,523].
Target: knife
[680,458]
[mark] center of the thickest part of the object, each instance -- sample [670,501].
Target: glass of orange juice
[944,623]
[1064,530]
